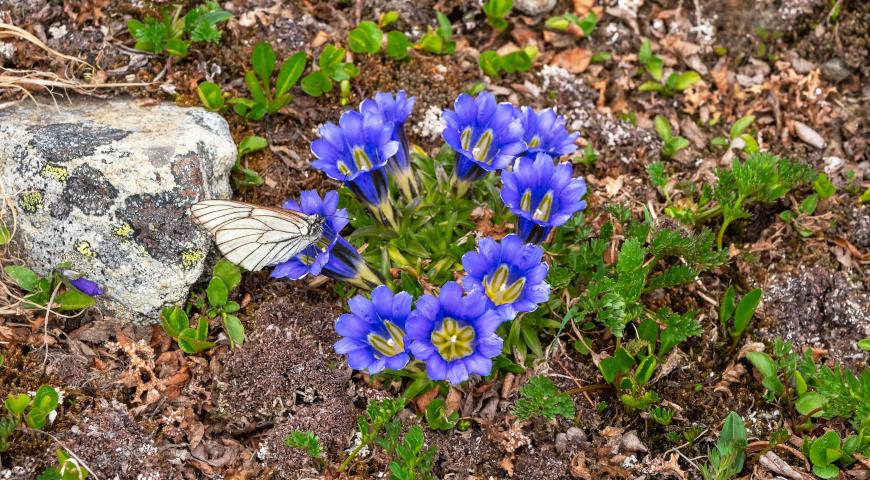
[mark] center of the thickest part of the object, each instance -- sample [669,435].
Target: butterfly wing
[253,237]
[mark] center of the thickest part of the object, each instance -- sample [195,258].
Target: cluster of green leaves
[176,322]
[652,256]
[540,398]
[496,11]
[333,68]
[438,40]
[735,318]
[564,22]
[829,452]
[761,178]
[823,190]
[767,41]
[67,468]
[243,176]
[815,391]
[671,143]
[411,459]
[729,453]
[654,66]
[33,412]
[438,417]
[368,37]
[40,289]
[662,416]
[494,64]
[174,33]
[737,136]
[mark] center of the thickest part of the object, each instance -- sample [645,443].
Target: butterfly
[253,236]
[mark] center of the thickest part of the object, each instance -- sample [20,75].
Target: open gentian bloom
[541,195]
[374,331]
[544,132]
[510,273]
[396,109]
[485,135]
[356,152]
[332,255]
[454,335]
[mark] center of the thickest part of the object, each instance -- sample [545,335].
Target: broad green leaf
[22,276]
[745,310]
[235,330]
[800,385]
[686,80]
[46,399]
[397,45]
[190,344]
[809,402]
[256,89]
[644,56]
[217,292]
[202,329]
[864,344]
[824,187]
[263,62]
[290,73]
[663,127]
[174,320]
[226,270]
[763,363]
[388,18]
[73,299]
[431,42]
[211,96]
[865,197]
[587,25]
[176,47]
[330,60]
[490,63]
[809,204]
[740,125]
[231,307]
[251,144]
[365,38]
[650,87]
[17,404]
[644,370]
[316,84]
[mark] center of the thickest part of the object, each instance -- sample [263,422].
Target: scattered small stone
[808,135]
[534,7]
[834,70]
[631,443]
[575,434]
[801,65]
[833,164]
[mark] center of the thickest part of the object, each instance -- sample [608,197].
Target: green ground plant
[174,33]
[540,398]
[729,454]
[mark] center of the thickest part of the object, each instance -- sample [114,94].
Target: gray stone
[106,185]
[534,7]
[834,70]
[808,135]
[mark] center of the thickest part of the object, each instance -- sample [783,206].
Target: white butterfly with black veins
[254,237]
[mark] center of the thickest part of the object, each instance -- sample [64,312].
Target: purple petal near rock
[87,287]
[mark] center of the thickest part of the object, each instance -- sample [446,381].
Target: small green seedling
[653,64]
[563,23]
[190,340]
[333,68]
[735,318]
[589,156]
[437,416]
[439,40]
[540,398]
[662,416]
[828,450]
[675,83]
[496,11]
[493,64]
[174,34]
[265,97]
[368,37]
[671,144]
[738,138]
[34,412]
[245,177]
[824,190]
[308,443]
[729,454]
[68,468]
[211,96]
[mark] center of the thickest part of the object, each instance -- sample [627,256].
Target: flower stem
[352,455]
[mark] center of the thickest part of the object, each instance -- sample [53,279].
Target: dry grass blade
[7,30]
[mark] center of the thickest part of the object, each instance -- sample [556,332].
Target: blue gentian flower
[332,255]
[374,331]
[356,152]
[396,109]
[510,273]
[544,132]
[454,335]
[84,285]
[485,135]
[541,195]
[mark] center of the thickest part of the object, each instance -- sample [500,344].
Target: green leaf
[235,330]
[202,329]
[490,63]
[256,89]
[763,363]
[825,450]
[227,271]
[663,127]
[809,204]
[540,397]
[587,25]
[559,23]
[726,308]
[745,310]
[73,299]
[644,370]
[824,187]
[290,73]
[431,42]
[174,320]
[809,402]
[826,471]
[316,84]
[864,344]
[217,292]
[263,62]
[231,307]
[251,144]
[686,80]
[5,236]
[397,45]
[651,87]
[619,363]
[496,11]
[177,47]
[388,18]
[46,399]
[365,38]
[211,96]
[600,57]
[190,344]
[305,441]
[740,125]
[644,56]
[437,416]
[17,404]
[865,197]
[330,60]
[22,276]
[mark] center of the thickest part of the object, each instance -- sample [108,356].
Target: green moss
[31,201]
[54,171]
[84,248]
[190,257]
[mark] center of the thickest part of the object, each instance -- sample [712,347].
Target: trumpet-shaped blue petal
[544,132]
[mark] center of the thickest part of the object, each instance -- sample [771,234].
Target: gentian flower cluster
[544,132]
[332,255]
[396,109]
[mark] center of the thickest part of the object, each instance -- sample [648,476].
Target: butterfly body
[254,237]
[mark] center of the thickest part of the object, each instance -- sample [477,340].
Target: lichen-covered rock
[106,187]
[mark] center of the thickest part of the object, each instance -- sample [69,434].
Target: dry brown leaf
[582,7]
[775,464]
[507,464]
[731,375]
[671,468]
[578,467]
[575,60]
[853,250]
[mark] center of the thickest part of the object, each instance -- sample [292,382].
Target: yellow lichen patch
[54,171]
[30,201]
[84,247]
[124,230]
[190,257]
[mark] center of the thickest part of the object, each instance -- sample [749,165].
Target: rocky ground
[137,407]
